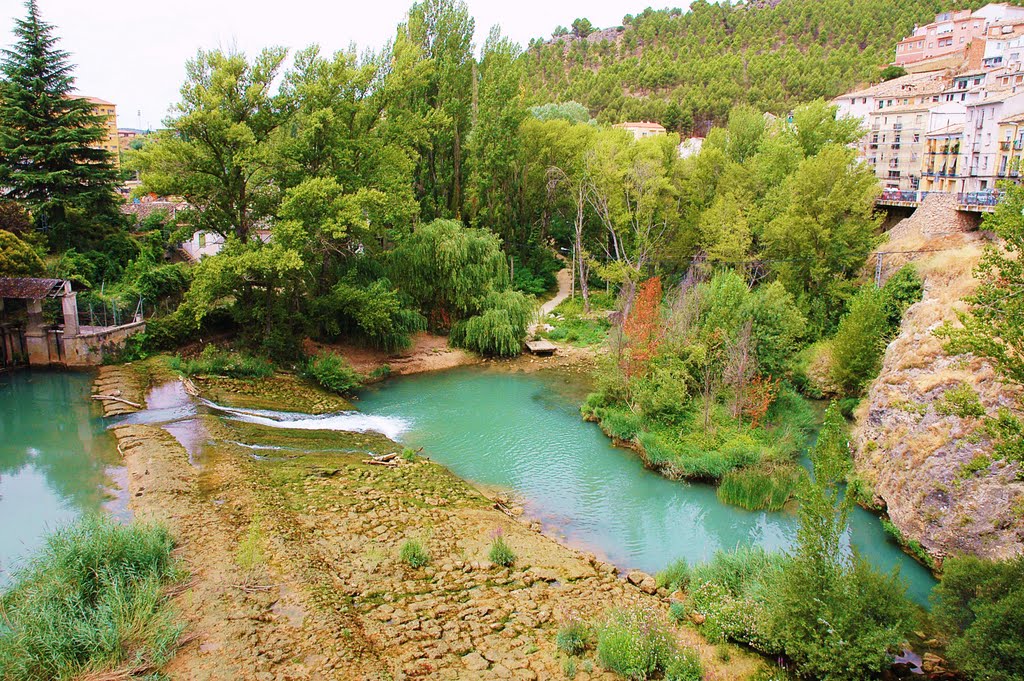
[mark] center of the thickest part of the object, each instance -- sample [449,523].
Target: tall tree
[443,32]
[216,152]
[49,155]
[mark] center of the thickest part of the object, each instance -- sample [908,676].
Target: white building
[980,150]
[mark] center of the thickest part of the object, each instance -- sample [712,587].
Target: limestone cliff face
[915,459]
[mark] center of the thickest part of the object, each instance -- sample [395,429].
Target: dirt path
[294,553]
[564,278]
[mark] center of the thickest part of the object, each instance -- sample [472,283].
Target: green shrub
[569,668]
[961,401]
[409,455]
[902,290]
[92,599]
[980,605]
[331,372]
[619,423]
[674,577]
[501,553]
[413,554]
[634,644]
[499,329]
[573,637]
[860,340]
[685,665]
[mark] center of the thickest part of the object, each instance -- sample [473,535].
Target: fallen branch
[117,399]
[377,462]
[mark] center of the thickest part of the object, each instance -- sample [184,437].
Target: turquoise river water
[56,459]
[512,430]
[524,432]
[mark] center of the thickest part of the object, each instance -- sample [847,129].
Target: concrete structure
[111,143]
[642,129]
[26,338]
[202,244]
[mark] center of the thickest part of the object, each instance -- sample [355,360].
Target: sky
[133,52]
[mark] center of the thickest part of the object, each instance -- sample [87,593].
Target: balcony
[1004,146]
[1018,145]
[895,145]
[897,126]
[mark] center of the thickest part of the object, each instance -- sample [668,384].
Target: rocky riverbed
[292,539]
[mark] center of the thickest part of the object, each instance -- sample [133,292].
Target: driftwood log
[117,399]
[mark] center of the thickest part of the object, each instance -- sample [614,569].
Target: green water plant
[93,599]
[413,554]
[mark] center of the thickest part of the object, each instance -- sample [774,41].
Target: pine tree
[48,138]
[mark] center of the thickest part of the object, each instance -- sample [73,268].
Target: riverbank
[295,559]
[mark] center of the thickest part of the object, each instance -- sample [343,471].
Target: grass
[573,637]
[413,554]
[635,644]
[572,325]
[675,577]
[759,489]
[93,599]
[216,362]
[249,554]
[501,553]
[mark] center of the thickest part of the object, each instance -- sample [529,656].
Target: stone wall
[89,348]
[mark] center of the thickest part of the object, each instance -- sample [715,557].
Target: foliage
[501,553]
[635,644]
[901,290]
[860,340]
[17,258]
[93,599]
[573,637]
[50,160]
[892,71]
[856,616]
[216,362]
[961,400]
[685,665]
[675,577]
[331,372]
[413,554]
[499,329]
[980,605]
[757,489]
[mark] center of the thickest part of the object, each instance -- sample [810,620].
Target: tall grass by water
[95,598]
[216,362]
[759,489]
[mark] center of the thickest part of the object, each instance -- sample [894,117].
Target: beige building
[111,143]
[642,129]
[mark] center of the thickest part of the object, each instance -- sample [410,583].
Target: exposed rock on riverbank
[294,553]
[928,468]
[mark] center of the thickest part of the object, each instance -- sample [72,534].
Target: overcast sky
[133,52]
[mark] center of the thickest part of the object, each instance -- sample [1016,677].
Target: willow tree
[449,270]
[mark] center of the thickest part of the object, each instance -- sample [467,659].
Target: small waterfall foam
[349,421]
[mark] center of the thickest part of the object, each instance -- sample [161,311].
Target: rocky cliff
[931,468]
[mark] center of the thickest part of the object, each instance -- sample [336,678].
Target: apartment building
[943,142]
[1011,147]
[953,32]
[981,151]
[111,143]
[862,103]
[897,129]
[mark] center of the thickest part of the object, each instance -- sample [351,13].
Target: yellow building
[942,160]
[1011,147]
[111,142]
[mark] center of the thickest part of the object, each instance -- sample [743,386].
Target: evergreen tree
[49,158]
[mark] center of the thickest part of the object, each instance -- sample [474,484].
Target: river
[56,459]
[524,432]
[492,427]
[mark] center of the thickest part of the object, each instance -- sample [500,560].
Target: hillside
[686,69]
[918,455]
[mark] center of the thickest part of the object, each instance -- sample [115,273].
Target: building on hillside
[953,32]
[1004,48]
[642,129]
[949,33]
[942,148]
[980,152]
[1011,147]
[965,86]
[862,103]
[896,127]
[111,142]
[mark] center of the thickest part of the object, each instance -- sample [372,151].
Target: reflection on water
[55,457]
[523,431]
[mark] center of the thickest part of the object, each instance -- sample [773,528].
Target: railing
[1018,145]
[1004,146]
[900,196]
[988,197]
